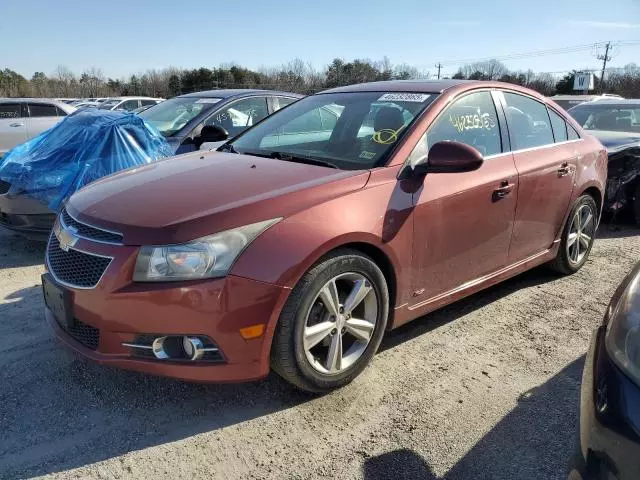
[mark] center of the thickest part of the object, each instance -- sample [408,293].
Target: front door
[13,126]
[463,221]
[546,169]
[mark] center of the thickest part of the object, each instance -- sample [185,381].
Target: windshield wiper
[288,157]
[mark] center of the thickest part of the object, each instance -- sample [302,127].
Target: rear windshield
[355,130]
[616,118]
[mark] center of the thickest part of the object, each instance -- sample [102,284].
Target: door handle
[564,170]
[16,124]
[502,191]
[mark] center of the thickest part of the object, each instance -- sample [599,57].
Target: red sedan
[297,245]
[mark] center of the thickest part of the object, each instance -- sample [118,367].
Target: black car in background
[610,399]
[616,123]
[225,113]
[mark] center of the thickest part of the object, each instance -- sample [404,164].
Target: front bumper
[609,417]
[119,311]
[26,216]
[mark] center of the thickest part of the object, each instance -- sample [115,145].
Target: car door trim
[478,281]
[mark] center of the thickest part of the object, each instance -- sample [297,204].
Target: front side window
[351,130]
[42,110]
[471,120]
[559,126]
[9,110]
[240,115]
[170,116]
[528,120]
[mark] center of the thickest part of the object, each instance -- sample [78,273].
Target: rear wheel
[577,237]
[332,323]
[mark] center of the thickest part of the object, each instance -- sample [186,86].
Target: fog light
[158,348]
[193,347]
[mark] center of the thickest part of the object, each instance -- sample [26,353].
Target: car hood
[200,193]
[616,141]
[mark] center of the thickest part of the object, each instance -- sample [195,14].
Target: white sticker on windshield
[404,97]
[208,100]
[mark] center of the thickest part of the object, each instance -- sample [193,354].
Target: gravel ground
[485,388]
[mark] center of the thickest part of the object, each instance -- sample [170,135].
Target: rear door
[42,116]
[463,221]
[546,169]
[13,126]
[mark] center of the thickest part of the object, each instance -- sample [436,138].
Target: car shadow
[617,230]
[465,306]
[17,251]
[531,441]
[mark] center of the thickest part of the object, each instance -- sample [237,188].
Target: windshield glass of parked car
[109,104]
[355,130]
[617,118]
[171,115]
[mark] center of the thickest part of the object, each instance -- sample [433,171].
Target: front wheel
[332,323]
[577,237]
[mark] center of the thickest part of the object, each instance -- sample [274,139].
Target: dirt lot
[486,388]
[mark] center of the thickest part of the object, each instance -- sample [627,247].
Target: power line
[542,53]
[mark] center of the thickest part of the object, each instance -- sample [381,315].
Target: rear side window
[9,110]
[129,105]
[572,134]
[42,110]
[559,126]
[61,113]
[528,120]
[471,120]
[148,102]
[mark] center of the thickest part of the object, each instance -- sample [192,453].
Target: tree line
[296,76]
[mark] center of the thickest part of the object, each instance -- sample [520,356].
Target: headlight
[203,258]
[623,330]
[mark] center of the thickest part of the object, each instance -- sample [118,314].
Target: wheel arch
[594,192]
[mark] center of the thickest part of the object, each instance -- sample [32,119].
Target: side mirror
[449,157]
[211,133]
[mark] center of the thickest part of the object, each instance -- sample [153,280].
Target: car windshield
[107,104]
[171,115]
[617,118]
[350,131]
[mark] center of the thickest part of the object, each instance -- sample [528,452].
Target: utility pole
[605,58]
[438,66]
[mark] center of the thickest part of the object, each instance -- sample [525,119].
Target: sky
[124,37]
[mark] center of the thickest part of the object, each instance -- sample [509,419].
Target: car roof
[130,97]
[237,92]
[428,86]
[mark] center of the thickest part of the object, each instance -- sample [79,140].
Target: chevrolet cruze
[297,245]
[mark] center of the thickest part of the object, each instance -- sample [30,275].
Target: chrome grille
[89,232]
[74,268]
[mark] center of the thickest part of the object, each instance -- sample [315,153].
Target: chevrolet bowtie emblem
[66,236]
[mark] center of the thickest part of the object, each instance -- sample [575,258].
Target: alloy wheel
[340,323]
[581,234]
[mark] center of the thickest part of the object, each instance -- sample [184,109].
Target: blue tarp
[84,147]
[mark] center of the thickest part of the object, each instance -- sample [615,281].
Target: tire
[305,308]
[566,262]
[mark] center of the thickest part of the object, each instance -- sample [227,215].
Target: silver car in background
[128,104]
[24,118]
